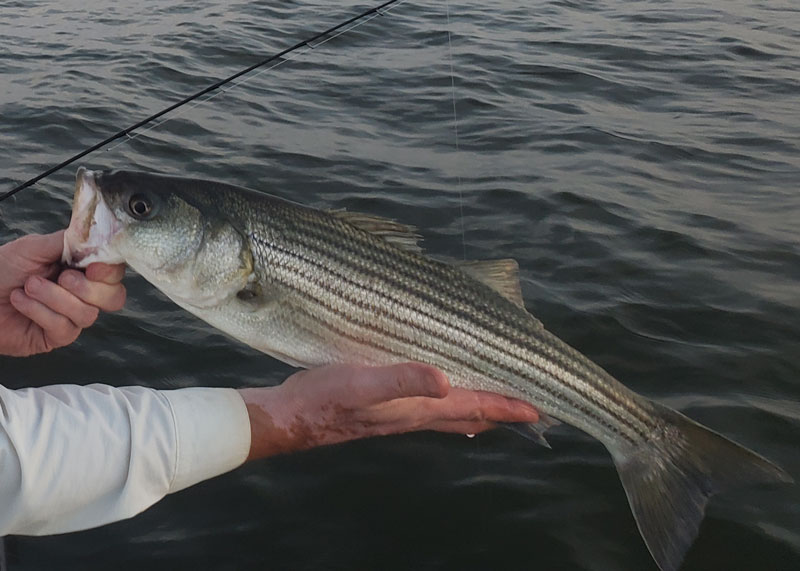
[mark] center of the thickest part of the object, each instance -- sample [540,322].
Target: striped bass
[313,288]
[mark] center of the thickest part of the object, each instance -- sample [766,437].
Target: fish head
[167,231]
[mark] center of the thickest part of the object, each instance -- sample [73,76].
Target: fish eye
[140,206]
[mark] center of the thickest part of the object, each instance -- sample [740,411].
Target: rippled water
[639,158]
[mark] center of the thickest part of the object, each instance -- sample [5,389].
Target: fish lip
[92,224]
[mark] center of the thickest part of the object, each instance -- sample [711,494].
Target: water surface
[639,159]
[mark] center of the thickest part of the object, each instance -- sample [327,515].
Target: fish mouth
[92,226]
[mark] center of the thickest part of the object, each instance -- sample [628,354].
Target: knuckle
[19,299]
[408,379]
[73,282]
[419,422]
[401,380]
[63,333]
[107,273]
[118,301]
[351,385]
[476,416]
[88,316]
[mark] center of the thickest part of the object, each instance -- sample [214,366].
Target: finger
[461,405]
[60,301]
[103,295]
[58,329]
[110,274]
[497,408]
[44,248]
[380,384]
[415,418]
[461,411]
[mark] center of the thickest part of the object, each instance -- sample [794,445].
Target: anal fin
[533,431]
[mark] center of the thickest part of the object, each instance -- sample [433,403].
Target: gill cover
[180,243]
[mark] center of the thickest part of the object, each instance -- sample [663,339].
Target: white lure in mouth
[92,226]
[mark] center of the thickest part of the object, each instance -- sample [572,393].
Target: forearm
[281,424]
[78,457]
[269,435]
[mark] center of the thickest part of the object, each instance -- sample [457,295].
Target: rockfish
[313,287]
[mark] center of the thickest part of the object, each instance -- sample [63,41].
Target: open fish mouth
[92,226]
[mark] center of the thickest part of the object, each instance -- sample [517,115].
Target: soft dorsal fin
[401,235]
[500,275]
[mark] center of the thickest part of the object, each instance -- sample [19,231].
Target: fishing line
[305,45]
[488,494]
[458,172]
[455,130]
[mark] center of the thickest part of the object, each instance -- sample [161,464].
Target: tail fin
[668,483]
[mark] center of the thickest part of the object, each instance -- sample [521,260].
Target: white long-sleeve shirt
[74,457]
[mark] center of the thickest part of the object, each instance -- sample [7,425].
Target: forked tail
[669,481]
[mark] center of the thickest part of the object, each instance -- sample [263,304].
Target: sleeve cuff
[212,431]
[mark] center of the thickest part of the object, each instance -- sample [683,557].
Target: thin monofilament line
[320,38]
[458,154]
[455,130]
[289,57]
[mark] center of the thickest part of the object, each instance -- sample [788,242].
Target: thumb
[379,384]
[44,248]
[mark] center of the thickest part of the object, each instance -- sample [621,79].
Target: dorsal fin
[500,275]
[401,235]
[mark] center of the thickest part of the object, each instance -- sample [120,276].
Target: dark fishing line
[128,130]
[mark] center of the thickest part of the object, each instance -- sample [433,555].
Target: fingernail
[34,284]
[68,279]
[438,389]
[17,295]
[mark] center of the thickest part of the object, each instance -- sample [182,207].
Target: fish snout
[92,225]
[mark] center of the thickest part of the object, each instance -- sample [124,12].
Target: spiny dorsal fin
[400,235]
[500,275]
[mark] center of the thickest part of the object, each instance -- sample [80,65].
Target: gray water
[640,159]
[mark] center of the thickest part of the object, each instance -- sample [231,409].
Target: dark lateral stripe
[339,271]
[447,357]
[502,324]
[576,387]
[418,270]
[564,357]
[516,372]
[365,249]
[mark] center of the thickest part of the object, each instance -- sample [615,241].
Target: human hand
[338,403]
[38,315]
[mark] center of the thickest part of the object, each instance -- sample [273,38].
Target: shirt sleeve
[74,457]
